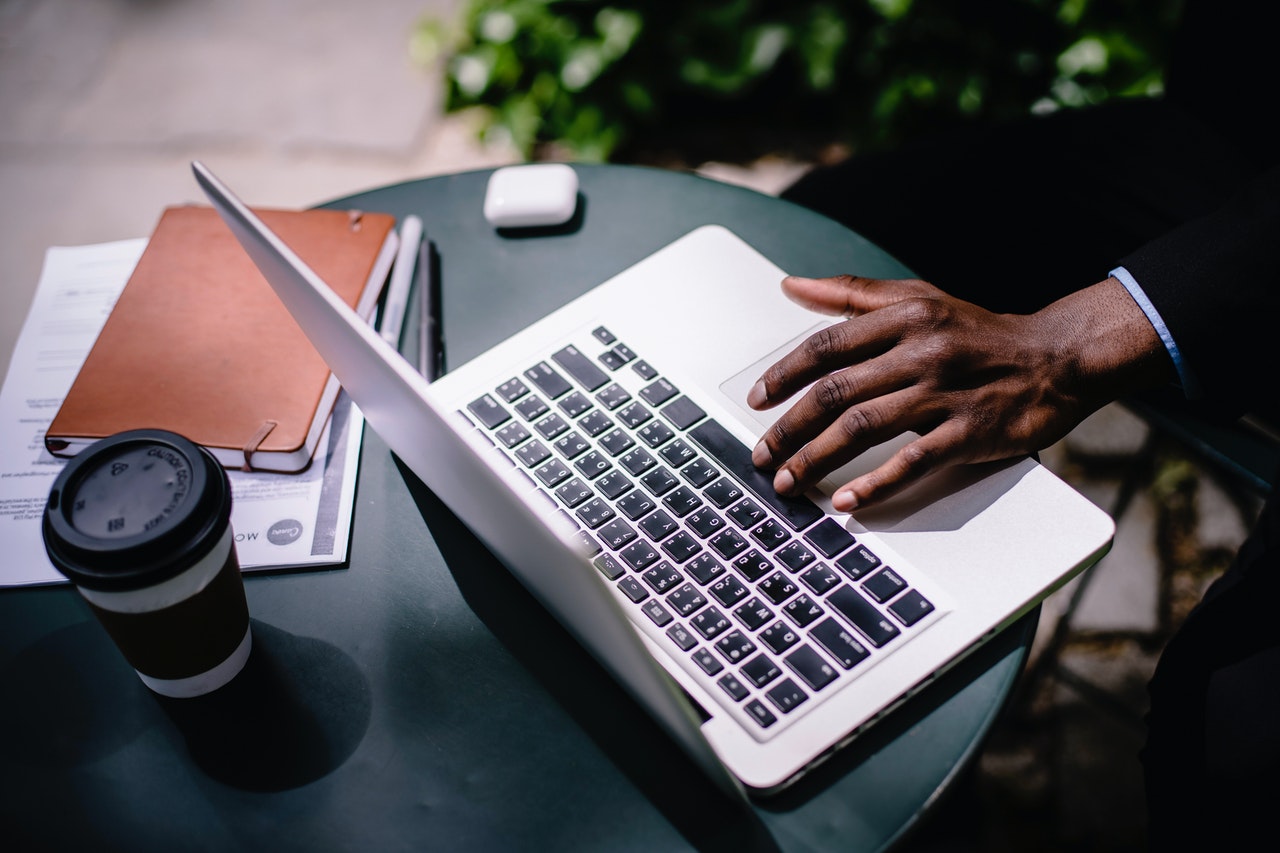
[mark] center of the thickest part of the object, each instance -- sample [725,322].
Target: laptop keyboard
[768,603]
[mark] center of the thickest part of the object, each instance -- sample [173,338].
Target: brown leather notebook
[198,343]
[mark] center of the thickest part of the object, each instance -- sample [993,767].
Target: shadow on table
[295,712]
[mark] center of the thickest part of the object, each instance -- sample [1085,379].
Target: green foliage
[636,79]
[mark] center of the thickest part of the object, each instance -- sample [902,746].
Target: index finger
[825,351]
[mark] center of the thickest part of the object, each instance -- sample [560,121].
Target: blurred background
[296,102]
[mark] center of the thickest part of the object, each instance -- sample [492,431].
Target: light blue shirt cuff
[1186,378]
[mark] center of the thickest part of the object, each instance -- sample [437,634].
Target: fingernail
[783,482]
[844,500]
[761,457]
[757,396]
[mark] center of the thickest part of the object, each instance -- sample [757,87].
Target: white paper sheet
[279,520]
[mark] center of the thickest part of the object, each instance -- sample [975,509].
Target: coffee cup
[140,522]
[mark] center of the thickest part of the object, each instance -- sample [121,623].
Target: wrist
[1104,344]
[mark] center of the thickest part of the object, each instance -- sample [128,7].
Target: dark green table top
[419,697]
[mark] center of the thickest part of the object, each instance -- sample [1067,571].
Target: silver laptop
[603,455]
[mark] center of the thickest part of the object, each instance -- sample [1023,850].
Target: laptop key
[839,642]
[635,504]
[753,614]
[770,534]
[728,590]
[580,368]
[488,411]
[705,521]
[677,453]
[655,611]
[722,492]
[551,426]
[858,562]
[552,473]
[710,623]
[614,484]
[758,712]
[533,453]
[616,533]
[681,636]
[594,513]
[786,696]
[795,556]
[595,423]
[699,472]
[659,481]
[707,661]
[609,566]
[513,389]
[532,407]
[911,607]
[613,397]
[603,335]
[736,689]
[659,525]
[686,600]
[548,381]
[644,370]
[682,501]
[728,543]
[637,461]
[812,668]
[829,537]
[779,637]
[752,565]
[746,513]
[658,392]
[863,615]
[704,568]
[592,465]
[617,442]
[574,404]
[662,577]
[632,589]
[803,610]
[819,578]
[884,585]
[634,414]
[735,646]
[573,492]
[778,587]
[512,434]
[571,445]
[640,554]
[589,542]
[683,413]
[681,547]
[735,457]
[655,434]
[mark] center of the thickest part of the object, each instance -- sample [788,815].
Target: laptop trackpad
[735,390]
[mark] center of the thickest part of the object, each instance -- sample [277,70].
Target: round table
[418,697]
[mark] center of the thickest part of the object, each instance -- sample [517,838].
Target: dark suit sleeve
[1216,283]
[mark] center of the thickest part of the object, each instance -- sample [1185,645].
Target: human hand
[975,385]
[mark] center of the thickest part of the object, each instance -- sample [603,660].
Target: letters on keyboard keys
[688,530]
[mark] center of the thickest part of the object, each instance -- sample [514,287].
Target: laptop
[603,455]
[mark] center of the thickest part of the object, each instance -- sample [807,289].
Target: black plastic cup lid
[135,509]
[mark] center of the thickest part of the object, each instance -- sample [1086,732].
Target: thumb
[846,295]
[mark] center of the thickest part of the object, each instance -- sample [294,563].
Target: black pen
[429,342]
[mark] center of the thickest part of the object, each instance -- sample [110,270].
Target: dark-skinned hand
[974,385]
